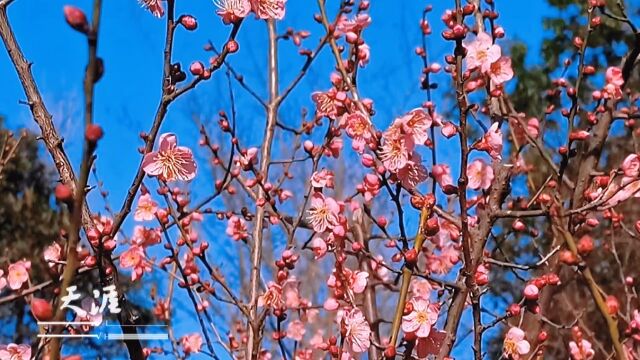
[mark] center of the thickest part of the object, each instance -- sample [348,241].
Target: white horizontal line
[138,336]
[153,325]
[91,323]
[67,335]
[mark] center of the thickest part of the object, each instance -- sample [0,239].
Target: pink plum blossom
[353,25]
[421,319]
[232,10]
[449,130]
[237,228]
[445,261]
[491,142]
[296,330]
[268,9]
[18,274]
[329,103]
[357,331]
[482,52]
[144,237]
[631,166]
[413,173]
[3,280]
[421,288]
[416,124]
[146,209]
[52,254]
[442,174]
[396,149]
[321,179]
[370,187]
[171,162]
[15,352]
[323,212]
[135,258]
[501,71]
[191,343]
[319,247]
[613,76]
[272,297]
[480,175]
[154,6]
[582,351]
[248,158]
[364,53]
[358,128]
[515,344]
[334,147]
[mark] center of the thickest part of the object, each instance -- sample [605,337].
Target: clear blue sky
[131,43]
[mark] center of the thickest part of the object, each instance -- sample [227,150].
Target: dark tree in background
[29,219]
[536,90]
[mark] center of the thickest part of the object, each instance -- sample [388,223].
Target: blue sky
[131,43]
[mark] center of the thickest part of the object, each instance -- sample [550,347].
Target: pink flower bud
[63,193]
[76,18]
[531,292]
[189,22]
[514,310]
[232,46]
[612,305]
[351,37]
[578,42]
[41,309]
[593,222]
[93,133]
[579,135]
[585,245]
[449,130]
[196,68]
[596,95]
[109,245]
[308,146]
[368,160]
[518,225]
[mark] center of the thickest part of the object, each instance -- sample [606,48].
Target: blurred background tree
[29,219]
[565,306]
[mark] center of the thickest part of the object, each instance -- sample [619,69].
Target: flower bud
[513,310]
[93,133]
[76,18]
[189,22]
[390,352]
[231,46]
[531,292]
[585,245]
[63,193]
[196,68]
[568,257]
[41,309]
[411,257]
[543,336]
[612,305]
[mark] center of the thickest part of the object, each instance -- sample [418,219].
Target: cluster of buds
[296,36]
[284,264]
[532,290]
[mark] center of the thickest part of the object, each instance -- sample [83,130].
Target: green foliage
[28,220]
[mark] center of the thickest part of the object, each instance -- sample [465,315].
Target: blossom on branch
[171,162]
